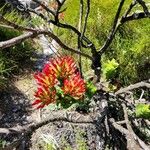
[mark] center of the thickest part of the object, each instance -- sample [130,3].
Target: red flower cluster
[59,70]
[74,86]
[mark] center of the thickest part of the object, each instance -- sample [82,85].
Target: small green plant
[2,143]
[109,69]
[12,59]
[80,141]
[143,111]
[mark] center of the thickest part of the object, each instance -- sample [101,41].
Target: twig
[141,95]
[121,122]
[131,142]
[130,8]
[86,19]
[10,24]
[113,30]
[16,40]
[117,23]
[134,16]
[45,7]
[145,8]
[79,28]
[66,26]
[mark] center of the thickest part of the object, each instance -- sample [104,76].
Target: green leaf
[90,89]
[109,68]
[143,111]
[59,90]
[53,107]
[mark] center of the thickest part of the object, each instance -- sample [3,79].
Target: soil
[16,100]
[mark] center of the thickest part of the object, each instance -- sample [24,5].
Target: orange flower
[60,71]
[45,80]
[74,86]
[44,97]
[60,67]
[61,15]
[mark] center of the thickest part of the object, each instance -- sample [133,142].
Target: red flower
[45,80]
[44,97]
[61,70]
[60,67]
[74,86]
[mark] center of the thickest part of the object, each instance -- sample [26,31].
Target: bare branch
[45,7]
[132,87]
[16,40]
[134,16]
[86,18]
[79,28]
[113,30]
[125,18]
[130,8]
[26,36]
[13,25]
[145,8]
[66,26]
[131,142]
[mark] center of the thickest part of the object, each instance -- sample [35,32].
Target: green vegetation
[130,48]
[143,111]
[14,58]
[80,142]
[2,143]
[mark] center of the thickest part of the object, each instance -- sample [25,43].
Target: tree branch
[16,40]
[57,23]
[134,16]
[131,138]
[113,30]
[26,36]
[45,7]
[132,87]
[86,19]
[127,133]
[145,8]
[33,33]
[79,39]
